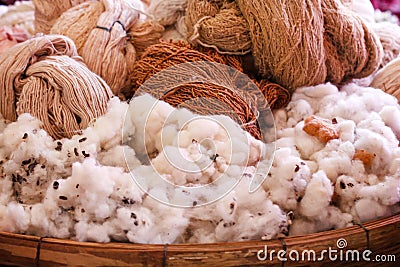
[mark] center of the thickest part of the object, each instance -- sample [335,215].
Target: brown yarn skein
[352,49]
[295,43]
[44,76]
[107,34]
[224,25]
[202,97]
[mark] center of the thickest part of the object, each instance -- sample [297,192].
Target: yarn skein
[44,76]
[218,25]
[204,98]
[48,11]
[389,35]
[388,78]
[294,43]
[108,35]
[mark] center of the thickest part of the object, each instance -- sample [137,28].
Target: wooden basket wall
[382,237]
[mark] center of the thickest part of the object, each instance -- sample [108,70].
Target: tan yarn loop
[45,76]
[48,11]
[388,78]
[294,43]
[108,36]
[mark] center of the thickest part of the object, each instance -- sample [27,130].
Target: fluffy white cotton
[113,181]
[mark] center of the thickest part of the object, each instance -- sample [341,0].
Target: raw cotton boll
[209,128]
[378,146]
[367,209]
[380,98]
[106,130]
[386,193]
[66,95]
[126,190]
[224,30]
[280,118]
[333,218]
[318,91]
[347,130]
[317,196]
[182,166]
[167,12]
[298,111]
[323,95]
[387,78]
[170,222]
[90,186]
[391,116]
[375,124]
[21,15]
[347,188]
[48,11]
[389,35]
[306,144]
[333,160]
[14,132]
[50,221]
[119,156]
[33,161]
[233,213]
[281,185]
[14,218]
[91,232]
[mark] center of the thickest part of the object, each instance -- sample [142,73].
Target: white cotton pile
[83,188]
[337,189]
[118,179]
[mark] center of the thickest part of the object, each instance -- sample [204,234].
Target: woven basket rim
[395,218]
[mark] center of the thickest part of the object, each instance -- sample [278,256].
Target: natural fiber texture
[287,40]
[21,15]
[214,98]
[11,36]
[388,78]
[144,34]
[221,27]
[167,12]
[294,43]
[45,76]
[276,96]
[389,35]
[48,11]
[101,31]
[352,49]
